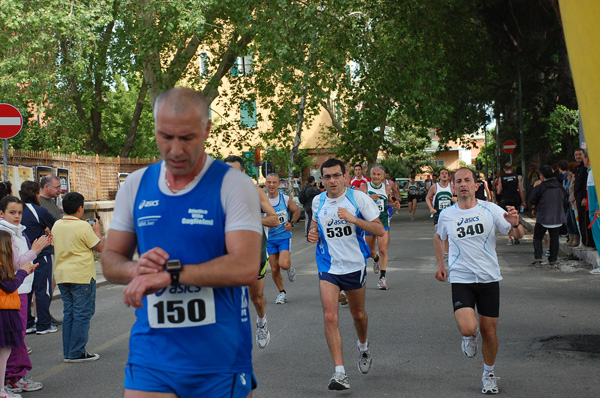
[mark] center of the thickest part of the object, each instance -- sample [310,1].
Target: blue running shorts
[237,385]
[351,281]
[279,245]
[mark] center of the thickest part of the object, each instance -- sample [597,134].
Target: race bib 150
[181,306]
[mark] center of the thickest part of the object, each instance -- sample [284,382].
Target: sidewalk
[584,254]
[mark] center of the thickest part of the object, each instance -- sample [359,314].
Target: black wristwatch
[174,267]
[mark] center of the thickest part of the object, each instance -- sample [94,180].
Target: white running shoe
[595,271]
[291,274]
[51,329]
[469,345]
[263,336]
[8,394]
[28,385]
[376,264]
[339,381]
[382,284]
[365,362]
[281,298]
[342,298]
[490,384]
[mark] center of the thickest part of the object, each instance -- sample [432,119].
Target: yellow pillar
[581,24]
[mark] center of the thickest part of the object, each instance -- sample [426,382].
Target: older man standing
[50,190]
[196,225]
[471,227]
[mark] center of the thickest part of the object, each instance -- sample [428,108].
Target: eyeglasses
[58,187]
[328,177]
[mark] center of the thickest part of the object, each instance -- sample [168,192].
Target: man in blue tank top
[279,242]
[195,223]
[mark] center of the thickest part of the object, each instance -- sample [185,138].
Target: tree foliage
[386,71]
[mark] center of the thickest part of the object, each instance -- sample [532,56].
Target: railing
[95,177]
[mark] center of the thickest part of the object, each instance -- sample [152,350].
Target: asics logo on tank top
[148,203]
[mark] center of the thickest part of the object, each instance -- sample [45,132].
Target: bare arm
[117,264]
[396,191]
[487,191]
[396,203]
[271,219]
[512,216]
[313,232]
[429,198]
[98,231]
[521,193]
[236,268]
[438,244]
[295,210]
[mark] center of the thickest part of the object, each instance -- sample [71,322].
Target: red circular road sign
[509,146]
[11,121]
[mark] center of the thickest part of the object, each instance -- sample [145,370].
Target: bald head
[181,100]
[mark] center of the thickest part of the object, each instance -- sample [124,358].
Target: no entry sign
[11,121]
[509,146]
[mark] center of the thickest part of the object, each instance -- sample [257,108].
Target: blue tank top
[283,214]
[189,329]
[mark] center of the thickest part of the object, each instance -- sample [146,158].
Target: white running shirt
[472,236]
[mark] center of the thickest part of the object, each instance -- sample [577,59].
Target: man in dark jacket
[548,201]
[309,191]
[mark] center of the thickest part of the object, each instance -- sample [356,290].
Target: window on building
[248,114]
[440,162]
[204,64]
[242,66]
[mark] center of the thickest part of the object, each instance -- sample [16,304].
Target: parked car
[403,194]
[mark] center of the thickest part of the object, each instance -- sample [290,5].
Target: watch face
[173,265]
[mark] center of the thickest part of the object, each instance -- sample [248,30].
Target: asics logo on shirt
[467,220]
[148,203]
[336,222]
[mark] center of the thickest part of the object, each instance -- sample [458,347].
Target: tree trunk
[135,121]
[298,138]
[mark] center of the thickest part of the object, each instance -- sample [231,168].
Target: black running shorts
[486,296]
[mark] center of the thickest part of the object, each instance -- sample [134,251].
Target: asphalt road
[549,332]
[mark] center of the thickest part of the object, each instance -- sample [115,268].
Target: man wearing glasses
[340,218]
[50,189]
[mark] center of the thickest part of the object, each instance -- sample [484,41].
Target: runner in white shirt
[340,218]
[471,227]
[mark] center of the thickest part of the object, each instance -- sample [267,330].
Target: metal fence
[95,177]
